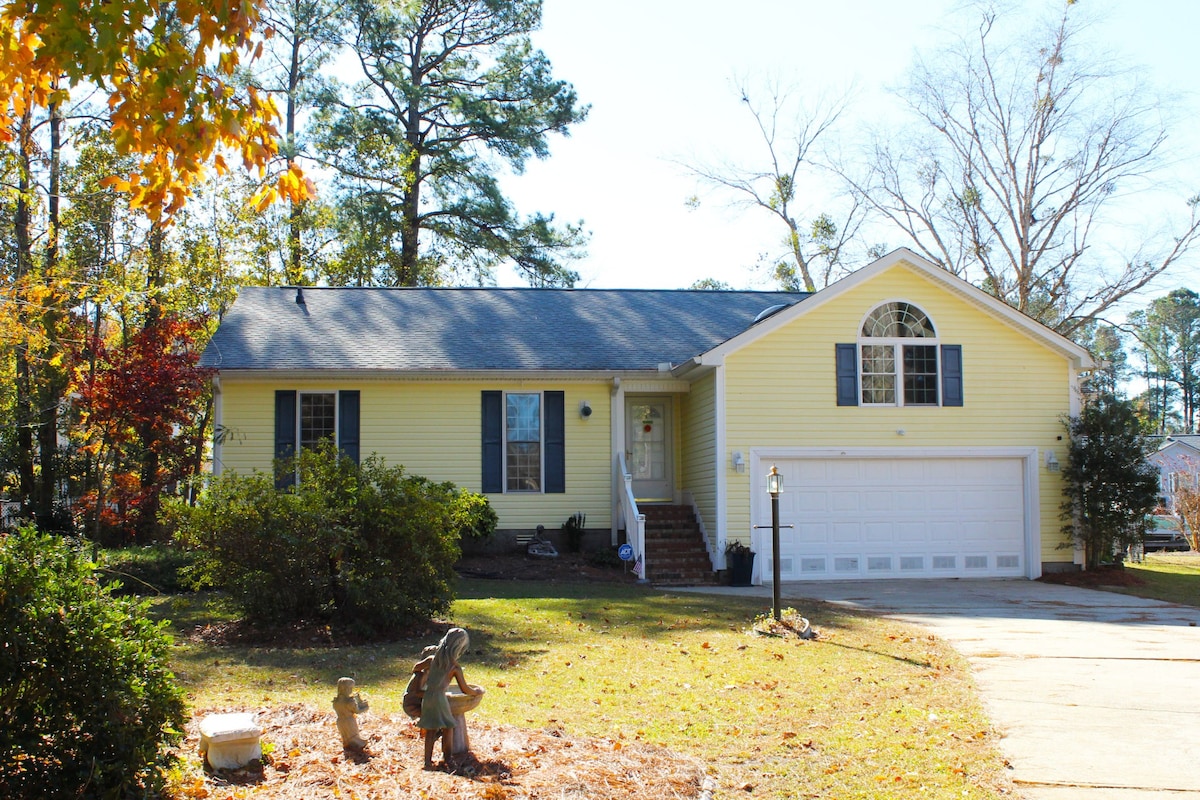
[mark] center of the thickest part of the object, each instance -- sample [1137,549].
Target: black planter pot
[741,568]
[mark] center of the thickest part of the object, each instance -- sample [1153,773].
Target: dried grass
[306,761]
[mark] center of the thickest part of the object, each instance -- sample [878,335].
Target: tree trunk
[295,269]
[53,383]
[24,261]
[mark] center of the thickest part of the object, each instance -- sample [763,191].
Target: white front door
[648,447]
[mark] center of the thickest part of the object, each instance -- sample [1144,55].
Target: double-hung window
[523,442]
[304,420]
[318,419]
[898,361]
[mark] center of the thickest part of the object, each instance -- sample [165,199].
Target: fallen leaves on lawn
[304,759]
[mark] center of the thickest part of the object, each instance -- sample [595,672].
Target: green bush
[367,546]
[87,704]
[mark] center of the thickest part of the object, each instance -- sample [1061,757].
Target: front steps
[676,554]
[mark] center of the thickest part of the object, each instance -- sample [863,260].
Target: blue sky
[659,76]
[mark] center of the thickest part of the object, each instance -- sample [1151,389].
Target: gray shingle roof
[478,329]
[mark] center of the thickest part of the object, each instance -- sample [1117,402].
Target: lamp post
[774,488]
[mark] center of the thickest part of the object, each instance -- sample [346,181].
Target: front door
[648,448]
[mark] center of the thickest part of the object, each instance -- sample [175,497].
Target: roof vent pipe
[299,296]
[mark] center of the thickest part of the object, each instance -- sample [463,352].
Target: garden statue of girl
[347,704]
[436,718]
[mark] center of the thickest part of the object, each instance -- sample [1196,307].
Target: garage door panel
[942,500]
[943,532]
[902,517]
[877,501]
[978,531]
[844,502]
[808,501]
[808,533]
[845,533]
[908,532]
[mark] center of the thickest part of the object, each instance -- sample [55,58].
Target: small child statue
[414,693]
[347,704]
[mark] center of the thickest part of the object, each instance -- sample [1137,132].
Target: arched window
[898,321]
[898,361]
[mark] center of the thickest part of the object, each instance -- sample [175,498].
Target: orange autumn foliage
[166,68]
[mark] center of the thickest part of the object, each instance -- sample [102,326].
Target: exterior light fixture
[774,483]
[1052,464]
[739,461]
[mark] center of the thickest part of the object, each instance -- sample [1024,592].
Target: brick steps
[675,549]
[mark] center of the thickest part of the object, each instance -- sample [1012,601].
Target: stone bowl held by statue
[462,703]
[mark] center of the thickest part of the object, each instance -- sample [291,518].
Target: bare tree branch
[1017,169]
[816,242]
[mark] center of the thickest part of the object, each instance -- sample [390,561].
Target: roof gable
[431,329]
[904,257]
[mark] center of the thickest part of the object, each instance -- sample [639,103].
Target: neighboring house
[917,421]
[1178,462]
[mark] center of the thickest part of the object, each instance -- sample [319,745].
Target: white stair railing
[633,520]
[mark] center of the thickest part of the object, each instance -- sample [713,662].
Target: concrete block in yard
[229,741]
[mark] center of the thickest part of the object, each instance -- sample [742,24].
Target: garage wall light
[1052,464]
[738,462]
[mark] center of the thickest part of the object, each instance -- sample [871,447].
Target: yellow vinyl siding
[698,449]
[1016,391]
[434,429]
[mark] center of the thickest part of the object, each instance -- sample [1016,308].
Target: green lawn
[872,709]
[1174,577]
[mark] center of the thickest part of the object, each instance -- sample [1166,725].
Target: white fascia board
[1079,357]
[473,376]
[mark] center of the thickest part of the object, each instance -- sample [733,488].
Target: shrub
[573,530]
[1108,485]
[364,545]
[87,705]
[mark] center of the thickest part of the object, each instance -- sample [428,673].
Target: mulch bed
[568,567]
[1102,576]
[306,761]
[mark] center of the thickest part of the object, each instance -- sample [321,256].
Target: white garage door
[857,518]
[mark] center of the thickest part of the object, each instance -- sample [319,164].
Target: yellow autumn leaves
[167,82]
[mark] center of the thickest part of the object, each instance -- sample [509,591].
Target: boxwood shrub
[88,707]
[368,545]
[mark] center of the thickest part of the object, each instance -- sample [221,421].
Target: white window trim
[337,415]
[897,346]
[541,443]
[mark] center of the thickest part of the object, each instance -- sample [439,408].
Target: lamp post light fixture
[775,488]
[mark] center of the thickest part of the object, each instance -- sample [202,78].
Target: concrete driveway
[1097,694]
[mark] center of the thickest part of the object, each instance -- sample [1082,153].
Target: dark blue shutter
[285,437]
[847,374]
[348,406]
[952,377]
[555,442]
[493,444]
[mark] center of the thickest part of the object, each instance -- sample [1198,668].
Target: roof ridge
[293,287]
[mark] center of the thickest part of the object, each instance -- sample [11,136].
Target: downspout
[1075,401]
[616,417]
[720,503]
[218,418]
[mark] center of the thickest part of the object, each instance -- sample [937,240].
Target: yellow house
[916,421]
